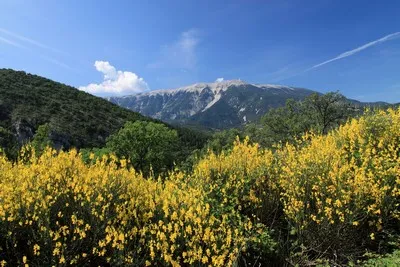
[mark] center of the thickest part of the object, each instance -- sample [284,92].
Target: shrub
[341,191]
[239,180]
[325,199]
[55,210]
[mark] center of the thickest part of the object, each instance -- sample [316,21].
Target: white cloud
[187,47]
[115,82]
[358,49]
[110,73]
[218,80]
[181,53]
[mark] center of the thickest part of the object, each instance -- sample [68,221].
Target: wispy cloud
[357,50]
[285,72]
[15,40]
[10,42]
[30,41]
[181,53]
[57,62]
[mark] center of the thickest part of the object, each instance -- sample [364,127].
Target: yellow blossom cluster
[241,178]
[55,210]
[351,176]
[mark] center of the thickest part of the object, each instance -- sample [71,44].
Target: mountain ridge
[197,103]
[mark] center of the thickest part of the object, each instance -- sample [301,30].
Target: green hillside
[77,119]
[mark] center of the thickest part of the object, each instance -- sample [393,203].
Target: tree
[224,140]
[319,113]
[147,145]
[91,155]
[8,143]
[41,139]
[286,123]
[328,110]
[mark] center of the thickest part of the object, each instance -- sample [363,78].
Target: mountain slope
[215,105]
[77,119]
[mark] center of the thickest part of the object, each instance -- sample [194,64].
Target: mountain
[216,105]
[77,119]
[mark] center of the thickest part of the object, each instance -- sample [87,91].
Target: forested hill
[77,119]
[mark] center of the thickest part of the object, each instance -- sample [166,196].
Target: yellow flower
[372,236]
[36,249]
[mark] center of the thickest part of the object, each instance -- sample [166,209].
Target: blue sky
[123,47]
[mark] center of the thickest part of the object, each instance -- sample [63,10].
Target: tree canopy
[147,145]
[41,140]
[318,112]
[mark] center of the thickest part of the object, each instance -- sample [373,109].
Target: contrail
[358,49]
[30,41]
[57,62]
[27,40]
[7,41]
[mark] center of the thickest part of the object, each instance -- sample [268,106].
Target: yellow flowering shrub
[333,196]
[238,177]
[55,210]
[341,191]
[239,181]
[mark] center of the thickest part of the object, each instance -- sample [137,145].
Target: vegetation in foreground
[325,199]
[391,260]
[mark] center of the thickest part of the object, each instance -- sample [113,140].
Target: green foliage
[285,123]
[224,140]
[318,113]
[218,142]
[147,145]
[391,260]
[92,155]
[77,119]
[189,146]
[328,111]
[8,143]
[41,140]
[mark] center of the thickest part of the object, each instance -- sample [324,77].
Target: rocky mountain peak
[220,104]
